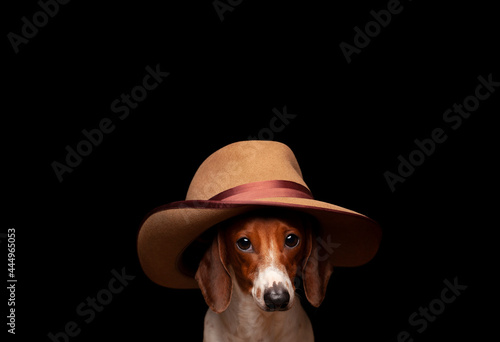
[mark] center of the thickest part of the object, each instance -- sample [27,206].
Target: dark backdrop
[356,118]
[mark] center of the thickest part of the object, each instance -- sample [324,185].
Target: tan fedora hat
[238,178]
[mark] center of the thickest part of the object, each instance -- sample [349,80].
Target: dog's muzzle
[273,290]
[276,297]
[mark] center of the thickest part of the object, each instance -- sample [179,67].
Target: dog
[248,229]
[247,277]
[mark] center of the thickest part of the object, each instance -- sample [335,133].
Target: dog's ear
[213,277]
[317,270]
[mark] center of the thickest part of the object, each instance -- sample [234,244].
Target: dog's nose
[276,297]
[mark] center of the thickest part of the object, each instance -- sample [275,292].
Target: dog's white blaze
[271,272]
[266,278]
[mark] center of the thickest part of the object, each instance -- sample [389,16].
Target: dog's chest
[248,325]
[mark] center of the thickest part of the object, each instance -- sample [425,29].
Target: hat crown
[242,163]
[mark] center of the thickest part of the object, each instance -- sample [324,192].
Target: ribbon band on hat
[263,189]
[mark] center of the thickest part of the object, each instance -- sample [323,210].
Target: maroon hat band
[264,189]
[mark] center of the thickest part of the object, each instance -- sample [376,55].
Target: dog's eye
[244,244]
[291,240]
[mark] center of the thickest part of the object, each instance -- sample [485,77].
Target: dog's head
[263,254]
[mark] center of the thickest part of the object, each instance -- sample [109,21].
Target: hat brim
[168,230]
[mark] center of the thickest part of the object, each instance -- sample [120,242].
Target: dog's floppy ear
[213,277]
[316,271]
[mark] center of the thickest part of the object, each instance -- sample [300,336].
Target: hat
[236,179]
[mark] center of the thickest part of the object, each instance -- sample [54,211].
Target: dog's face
[263,254]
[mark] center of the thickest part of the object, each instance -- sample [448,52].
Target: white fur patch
[265,279]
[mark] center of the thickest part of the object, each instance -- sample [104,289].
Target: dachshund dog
[247,277]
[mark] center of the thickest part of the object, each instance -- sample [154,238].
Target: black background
[352,122]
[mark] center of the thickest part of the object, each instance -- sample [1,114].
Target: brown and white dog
[247,279]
